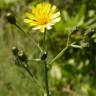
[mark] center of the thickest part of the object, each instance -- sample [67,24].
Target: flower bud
[15,50]
[44,56]
[11,18]
[22,56]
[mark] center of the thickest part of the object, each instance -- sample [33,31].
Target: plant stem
[45,64]
[68,39]
[44,41]
[28,37]
[25,66]
[62,51]
[46,78]
[36,60]
[59,55]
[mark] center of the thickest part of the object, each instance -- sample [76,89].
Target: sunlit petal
[56,15]
[56,20]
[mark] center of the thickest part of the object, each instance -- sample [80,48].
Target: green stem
[36,60]
[46,77]
[28,37]
[31,75]
[44,41]
[68,39]
[29,72]
[62,51]
[45,64]
[59,55]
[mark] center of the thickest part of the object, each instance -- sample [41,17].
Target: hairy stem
[45,64]
[46,78]
[25,66]
[28,37]
[59,55]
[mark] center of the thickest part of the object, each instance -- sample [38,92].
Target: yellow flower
[44,15]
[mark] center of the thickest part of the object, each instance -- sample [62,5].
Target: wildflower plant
[41,18]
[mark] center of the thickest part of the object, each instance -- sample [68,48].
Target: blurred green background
[74,74]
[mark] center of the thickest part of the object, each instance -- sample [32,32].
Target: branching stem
[62,51]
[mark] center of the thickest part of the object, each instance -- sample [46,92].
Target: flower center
[43,20]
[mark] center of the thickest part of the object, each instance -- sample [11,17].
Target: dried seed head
[11,18]
[44,56]
[22,56]
[15,50]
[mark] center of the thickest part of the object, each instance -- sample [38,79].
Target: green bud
[11,18]
[15,50]
[44,56]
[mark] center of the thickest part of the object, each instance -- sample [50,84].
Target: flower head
[44,15]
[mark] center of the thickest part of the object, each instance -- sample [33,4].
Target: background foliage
[74,74]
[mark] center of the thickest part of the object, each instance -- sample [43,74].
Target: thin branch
[28,37]
[62,51]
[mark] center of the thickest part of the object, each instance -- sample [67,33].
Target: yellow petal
[29,15]
[53,9]
[37,27]
[30,22]
[34,11]
[56,20]
[49,27]
[47,8]
[56,15]
[42,29]
[27,20]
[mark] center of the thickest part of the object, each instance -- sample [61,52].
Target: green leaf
[65,15]
[75,20]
